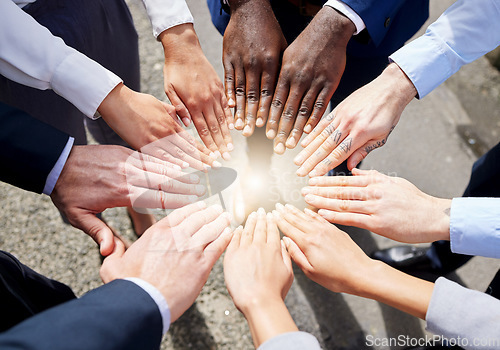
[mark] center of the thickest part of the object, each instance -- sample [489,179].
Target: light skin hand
[258,274]
[310,73]
[155,257]
[358,125]
[252,49]
[95,178]
[193,87]
[388,206]
[329,257]
[141,120]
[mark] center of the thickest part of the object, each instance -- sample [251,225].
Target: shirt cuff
[167,14]
[157,297]
[83,82]
[424,62]
[475,226]
[53,176]
[349,13]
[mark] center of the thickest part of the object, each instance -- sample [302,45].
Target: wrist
[176,40]
[340,27]
[400,85]
[268,318]
[251,5]
[441,228]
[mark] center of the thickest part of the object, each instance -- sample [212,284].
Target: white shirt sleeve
[348,12]
[465,31]
[165,14]
[53,176]
[157,297]
[475,226]
[32,56]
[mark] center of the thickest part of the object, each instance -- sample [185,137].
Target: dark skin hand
[252,48]
[310,73]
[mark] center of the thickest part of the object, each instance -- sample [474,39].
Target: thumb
[297,255]
[99,231]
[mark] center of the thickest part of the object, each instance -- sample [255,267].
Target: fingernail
[308,128]
[194,178]
[177,167]
[322,212]
[280,148]
[230,147]
[207,167]
[226,231]
[303,143]
[230,102]
[217,154]
[305,191]
[202,205]
[290,143]
[261,211]
[239,124]
[185,164]
[193,199]
[216,164]
[271,134]
[226,156]
[269,216]
[231,126]
[252,215]
[313,181]
[289,206]
[200,190]
[280,207]
[276,214]
[186,121]
[212,155]
[247,130]
[299,159]
[300,172]
[310,198]
[259,122]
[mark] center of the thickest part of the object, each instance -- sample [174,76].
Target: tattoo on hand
[447,211]
[346,145]
[337,136]
[330,117]
[329,129]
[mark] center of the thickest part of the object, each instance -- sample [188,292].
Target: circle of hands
[277,86]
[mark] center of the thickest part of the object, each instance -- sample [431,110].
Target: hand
[252,48]
[258,274]
[156,258]
[361,123]
[312,67]
[329,257]
[95,178]
[193,87]
[141,119]
[326,254]
[389,206]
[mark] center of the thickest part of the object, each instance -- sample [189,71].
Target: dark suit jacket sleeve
[390,23]
[29,149]
[119,315]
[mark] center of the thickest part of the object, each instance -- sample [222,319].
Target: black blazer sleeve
[119,315]
[29,149]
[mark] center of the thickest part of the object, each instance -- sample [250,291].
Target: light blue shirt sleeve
[465,31]
[475,226]
[291,341]
[50,183]
[157,297]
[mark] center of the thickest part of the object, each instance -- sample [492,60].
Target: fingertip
[271,134]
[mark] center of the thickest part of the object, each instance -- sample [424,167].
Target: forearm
[397,289]
[268,318]
[179,42]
